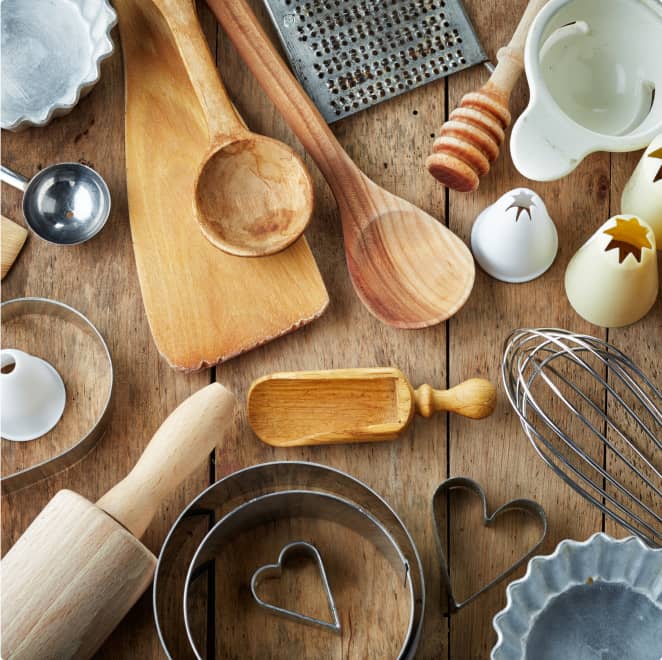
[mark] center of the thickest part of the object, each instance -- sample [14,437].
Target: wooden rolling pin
[353,405]
[13,238]
[470,140]
[79,567]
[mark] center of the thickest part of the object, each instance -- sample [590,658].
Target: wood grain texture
[407,269]
[293,409]
[13,238]
[204,306]
[389,142]
[469,142]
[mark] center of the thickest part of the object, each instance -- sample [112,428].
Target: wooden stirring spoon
[409,270]
[253,194]
[353,405]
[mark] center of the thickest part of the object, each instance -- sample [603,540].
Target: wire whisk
[595,418]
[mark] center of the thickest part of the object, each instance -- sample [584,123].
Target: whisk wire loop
[628,406]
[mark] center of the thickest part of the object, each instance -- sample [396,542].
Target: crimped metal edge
[94,13]
[627,560]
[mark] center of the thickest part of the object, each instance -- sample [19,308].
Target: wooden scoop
[79,567]
[409,270]
[353,405]
[470,140]
[253,194]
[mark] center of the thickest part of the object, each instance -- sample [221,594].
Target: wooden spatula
[353,405]
[79,567]
[13,238]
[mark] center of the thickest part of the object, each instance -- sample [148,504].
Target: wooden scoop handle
[474,398]
[179,446]
[470,140]
[13,237]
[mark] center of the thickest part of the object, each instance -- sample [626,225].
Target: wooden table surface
[390,143]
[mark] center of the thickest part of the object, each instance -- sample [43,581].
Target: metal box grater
[352,54]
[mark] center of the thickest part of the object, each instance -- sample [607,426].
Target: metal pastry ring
[265,491]
[297,504]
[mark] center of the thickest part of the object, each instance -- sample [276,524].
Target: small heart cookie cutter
[297,548]
[464,483]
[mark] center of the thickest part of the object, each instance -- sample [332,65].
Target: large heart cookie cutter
[463,483]
[270,571]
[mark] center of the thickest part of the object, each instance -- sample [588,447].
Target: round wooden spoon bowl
[253,196]
[408,269]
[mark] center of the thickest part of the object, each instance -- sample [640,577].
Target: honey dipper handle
[474,398]
[273,75]
[511,57]
[180,445]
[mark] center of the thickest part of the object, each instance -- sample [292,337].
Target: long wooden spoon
[353,405]
[253,194]
[409,270]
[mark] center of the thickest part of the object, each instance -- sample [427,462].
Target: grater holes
[360,52]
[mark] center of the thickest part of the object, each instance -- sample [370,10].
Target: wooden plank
[498,454]
[99,278]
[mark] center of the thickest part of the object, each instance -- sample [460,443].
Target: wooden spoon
[253,194]
[353,405]
[409,270]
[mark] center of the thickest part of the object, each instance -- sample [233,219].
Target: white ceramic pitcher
[592,67]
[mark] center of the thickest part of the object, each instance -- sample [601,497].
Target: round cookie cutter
[264,492]
[18,307]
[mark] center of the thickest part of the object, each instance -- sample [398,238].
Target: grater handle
[220,114]
[301,114]
[511,57]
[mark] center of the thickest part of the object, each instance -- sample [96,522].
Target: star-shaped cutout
[522,201]
[628,237]
[657,154]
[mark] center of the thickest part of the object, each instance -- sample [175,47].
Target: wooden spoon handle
[179,446]
[474,398]
[271,72]
[221,116]
[511,57]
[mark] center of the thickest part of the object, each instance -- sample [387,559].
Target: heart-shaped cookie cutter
[440,497]
[297,548]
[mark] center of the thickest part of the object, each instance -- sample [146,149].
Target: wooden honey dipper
[470,140]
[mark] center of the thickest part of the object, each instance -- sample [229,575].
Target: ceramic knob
[32,395]
[642,194]
[515,240]
[612,280]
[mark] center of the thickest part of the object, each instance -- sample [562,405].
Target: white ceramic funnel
[32,396]
[612,280]
[642,194]
[593,67]
[515,240]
